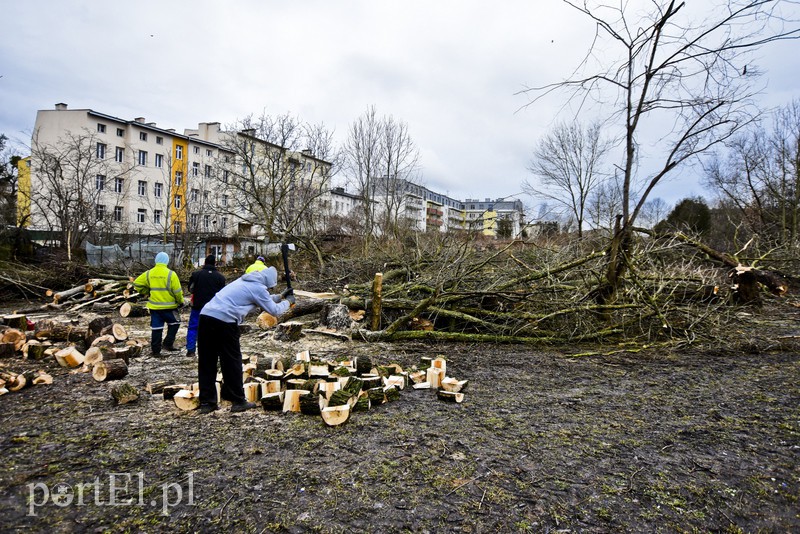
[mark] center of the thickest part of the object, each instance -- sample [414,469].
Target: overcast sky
[451,70]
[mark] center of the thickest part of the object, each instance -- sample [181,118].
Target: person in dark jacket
[203,285]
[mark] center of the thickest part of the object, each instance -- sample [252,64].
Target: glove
[290,300]
[287,292]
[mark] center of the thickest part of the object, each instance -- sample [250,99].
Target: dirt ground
[546,440]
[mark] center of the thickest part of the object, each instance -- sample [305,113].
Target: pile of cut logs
[102,348]
[98,294]
[330,389]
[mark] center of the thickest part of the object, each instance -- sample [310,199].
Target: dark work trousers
[218,341]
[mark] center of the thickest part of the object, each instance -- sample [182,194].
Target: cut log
[422,385]
[59,331]
[105,340]
[119,332]
[252,391]
[129,309]
[35,349]
[376,396]
[69,357]
[392,393]
[363,365]
[362,404]
[109,370]
[265,321]
[272,386]
[371,381]
[418,377]
[336,316]
[309,404]
[154,388]
[8,350]
[95,328]
[395,380]
[295,383]
[272,401]
[170,391]
[68,293]
[451,384]
[318,369]
[291,399]
[450,396]
[435,376]
[15,336]
[340,397]
[16,320]
[124,393]
[327,388]
[336,415]
[187,400]
[291,331]
[42,378]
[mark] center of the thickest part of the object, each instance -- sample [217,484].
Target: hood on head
[162,257]
[268,277]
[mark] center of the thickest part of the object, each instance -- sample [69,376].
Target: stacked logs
[98,294]
[331,389]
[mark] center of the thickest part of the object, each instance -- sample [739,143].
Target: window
[178,152]
[158,188]
[178,178]
[159,160]
[195,169]
[157,216]
[208,171]
[225,201]
[141,215]
[224,223]
[100,182]
[193,219]
[119,184]
[101,128]
[224,177]
[101,151]
[142,157]
[227,159]
[142,188]
[176,227]
[119,154]
[205,196]
[142,136]
[100,211]
[195,194]
[159,140]
[178,201]
[209,152]
[196,149]
[206,222]
[118,213]
[120,132]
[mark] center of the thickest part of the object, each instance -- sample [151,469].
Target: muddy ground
[547,440]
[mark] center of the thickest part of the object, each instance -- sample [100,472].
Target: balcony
[435,211]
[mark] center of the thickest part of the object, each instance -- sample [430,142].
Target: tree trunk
[377,298]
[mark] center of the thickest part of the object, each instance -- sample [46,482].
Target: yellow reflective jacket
[162,287]
[257,266]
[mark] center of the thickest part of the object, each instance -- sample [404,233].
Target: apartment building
[428,210]
[131,177]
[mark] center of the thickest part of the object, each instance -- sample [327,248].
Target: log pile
[330,389]
[11,381]
[97,294]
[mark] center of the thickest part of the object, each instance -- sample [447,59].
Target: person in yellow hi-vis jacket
[257,265]
[164,295]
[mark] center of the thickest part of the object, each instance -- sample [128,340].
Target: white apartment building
[131,177]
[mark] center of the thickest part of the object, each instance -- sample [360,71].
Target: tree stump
[336,316]
[16,320]
[124,393]
[291,331]
[109,370]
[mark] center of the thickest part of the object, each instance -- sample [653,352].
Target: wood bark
[377,299]
[16,320]
[124,393]
[272,401]
[54,331]
[109,370]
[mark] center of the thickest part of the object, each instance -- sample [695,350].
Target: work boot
[169,341]
[208,408]
[242,406]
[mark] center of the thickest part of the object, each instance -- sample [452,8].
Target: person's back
[204,283]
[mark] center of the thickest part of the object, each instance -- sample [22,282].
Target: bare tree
[277,174]
[654,211]
[567,162]
[73,172]
[688,77]
[382,160]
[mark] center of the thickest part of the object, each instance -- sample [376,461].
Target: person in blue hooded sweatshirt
[218,335]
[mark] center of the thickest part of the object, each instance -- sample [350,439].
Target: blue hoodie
[240,297]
